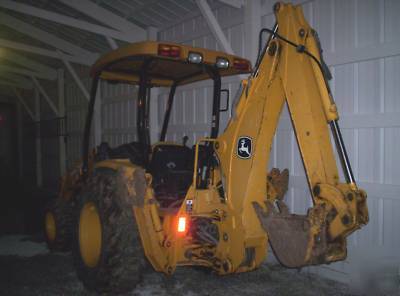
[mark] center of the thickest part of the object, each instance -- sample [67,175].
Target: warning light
[181,224]
[169,50]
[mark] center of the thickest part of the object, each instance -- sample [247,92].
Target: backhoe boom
[291,71]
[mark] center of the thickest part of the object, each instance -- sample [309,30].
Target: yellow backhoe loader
[213,204]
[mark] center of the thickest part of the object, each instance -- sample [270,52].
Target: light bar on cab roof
[241,65]
[195,57]
[222,63]
[171,51]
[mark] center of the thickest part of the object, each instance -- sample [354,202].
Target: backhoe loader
[213,204]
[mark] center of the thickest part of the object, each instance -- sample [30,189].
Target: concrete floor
[27,268]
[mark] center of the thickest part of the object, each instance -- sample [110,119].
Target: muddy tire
[58,225]
[118,265]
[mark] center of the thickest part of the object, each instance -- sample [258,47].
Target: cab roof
[164,63]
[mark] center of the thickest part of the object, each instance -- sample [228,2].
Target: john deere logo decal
[244,147]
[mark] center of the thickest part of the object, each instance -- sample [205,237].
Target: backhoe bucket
[294,242]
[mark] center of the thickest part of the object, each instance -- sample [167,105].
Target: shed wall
[362,48]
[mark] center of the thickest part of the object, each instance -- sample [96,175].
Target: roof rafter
[6,68]
[214,26]
[17,79]
[15,84]
[111,42]
[43,36]
[233,3]
[106,17]
[65,20]
[28,63]
[45,95]
[45,52]
[76,78]
[22,101]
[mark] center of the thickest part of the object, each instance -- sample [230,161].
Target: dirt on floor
[27,268]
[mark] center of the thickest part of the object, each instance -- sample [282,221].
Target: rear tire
[58,225]
[121,259]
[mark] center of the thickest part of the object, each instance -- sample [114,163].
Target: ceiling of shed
[160,14]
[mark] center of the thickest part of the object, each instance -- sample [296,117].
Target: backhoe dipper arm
[291,70]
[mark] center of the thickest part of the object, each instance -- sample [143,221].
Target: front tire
[107,250]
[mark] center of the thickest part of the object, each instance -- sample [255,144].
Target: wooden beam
[154,101]
[39,176]
[20,137]
[22,101]
[41,35]
[214,26]
[22,71]
[45,95]
[27,62]
[15,84]
[75,77]
[61,109]
[107,17]
[234,3]
[111,42]
[252,27]
[47,53]
[97,128]
[65,20]
[17,79]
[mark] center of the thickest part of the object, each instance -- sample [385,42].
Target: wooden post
[20,124]
[61,110]
[154,123]
[39,177]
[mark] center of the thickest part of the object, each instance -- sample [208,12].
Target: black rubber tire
[62,211]
[122,258]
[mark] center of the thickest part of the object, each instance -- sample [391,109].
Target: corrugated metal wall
[75,106]
[118,115]
[362,47]
[49,143]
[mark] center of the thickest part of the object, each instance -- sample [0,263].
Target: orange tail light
[182,227]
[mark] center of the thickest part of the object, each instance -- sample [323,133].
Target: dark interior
[171,167]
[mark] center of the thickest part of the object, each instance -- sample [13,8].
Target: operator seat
[132,151]
[172,169]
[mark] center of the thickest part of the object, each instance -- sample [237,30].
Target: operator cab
[159,64]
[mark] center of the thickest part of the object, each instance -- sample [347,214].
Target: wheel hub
[50,224]
[90,234]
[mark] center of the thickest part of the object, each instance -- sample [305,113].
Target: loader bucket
[291,237]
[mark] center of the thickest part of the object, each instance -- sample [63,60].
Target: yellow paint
[50,225]
[146,49]
[90,234]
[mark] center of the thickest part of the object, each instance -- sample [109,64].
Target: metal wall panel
[76,106]
[118,113]
[362,47]
[49,145]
